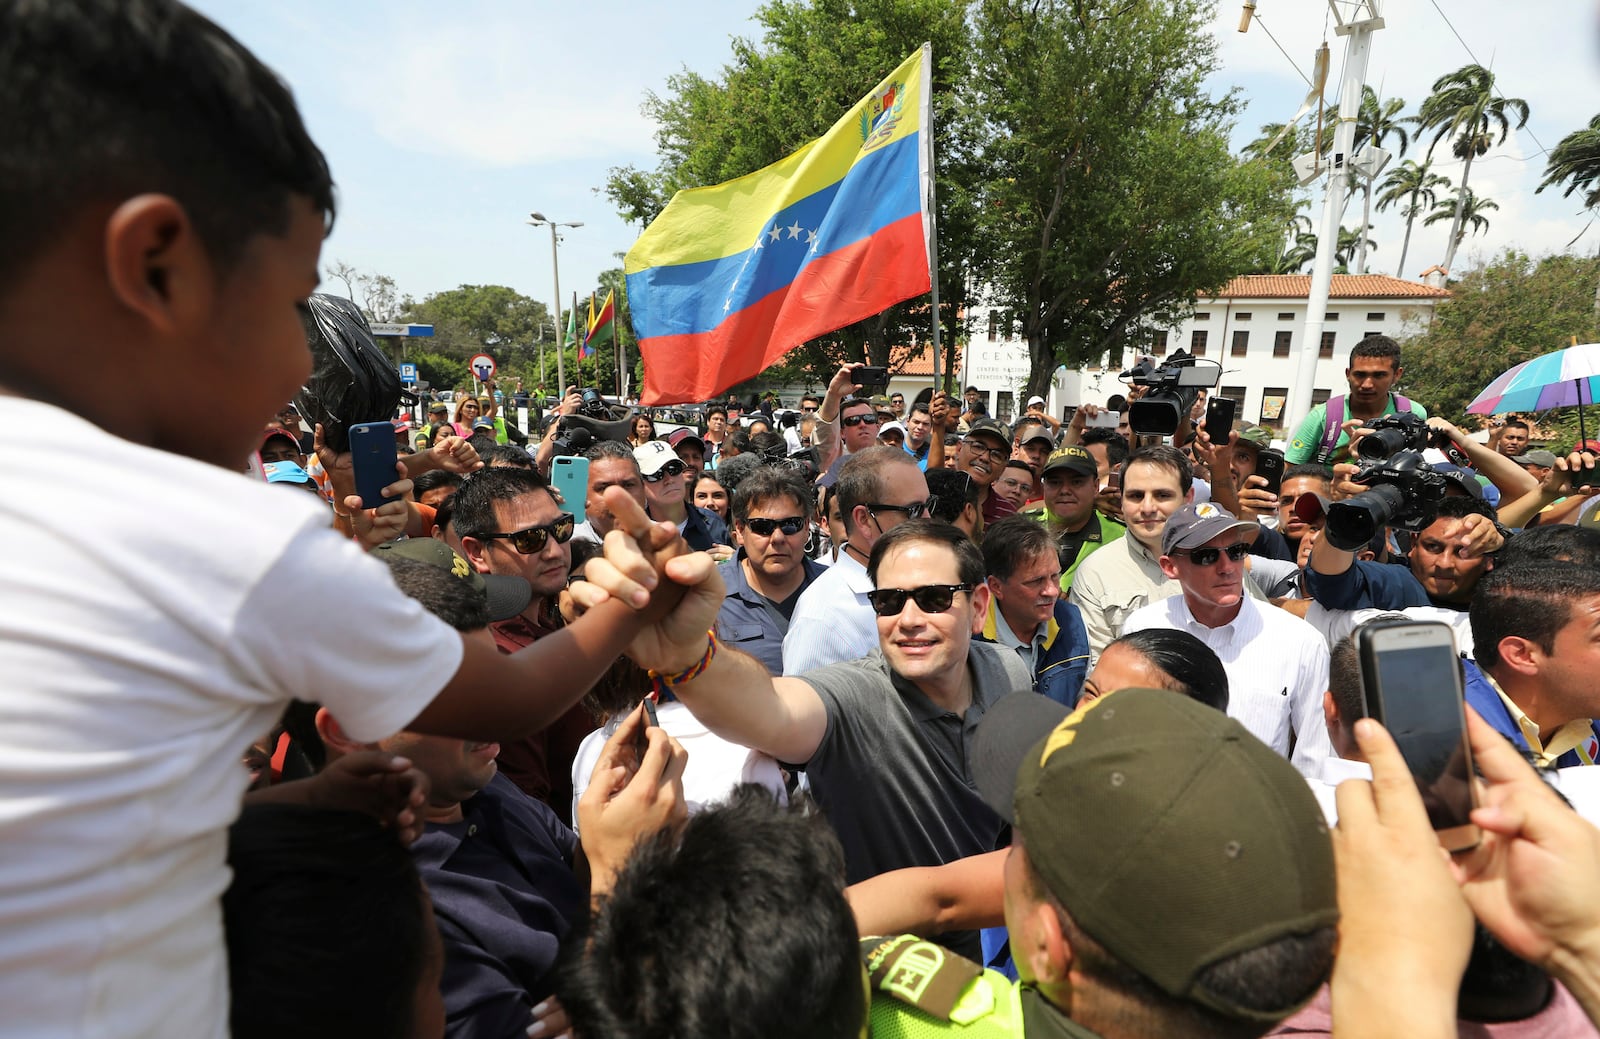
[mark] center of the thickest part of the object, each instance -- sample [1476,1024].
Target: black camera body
[1391,434]
[1405,490]
[1171,389]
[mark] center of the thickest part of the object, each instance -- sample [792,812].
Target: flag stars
[775,233]
[794,230]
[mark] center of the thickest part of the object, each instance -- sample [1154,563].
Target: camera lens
[1354,522]
[1382,443]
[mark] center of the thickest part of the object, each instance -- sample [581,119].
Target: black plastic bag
[352,379]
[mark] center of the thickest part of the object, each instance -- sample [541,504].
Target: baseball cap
[1462,478]
[1591,446]
[896,427]
[437,407]
[507,595]
[402,425]
[285,472]
[678,436]
[1172,836]
[993,428]
[1034,400]
[484,423]
[1073,457]
[1194,525]
[1538,456]
[1256,436]
[652,455]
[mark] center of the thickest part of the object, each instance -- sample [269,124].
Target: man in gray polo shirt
[884,738]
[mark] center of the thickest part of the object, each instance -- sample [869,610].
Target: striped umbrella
[1569,377]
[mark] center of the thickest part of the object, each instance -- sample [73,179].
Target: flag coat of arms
[730,278]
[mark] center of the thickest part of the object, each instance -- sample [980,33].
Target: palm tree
[1464,108]
[1351,243]
[1414,184]
[1576,160]
[1465,209]
[1376,122]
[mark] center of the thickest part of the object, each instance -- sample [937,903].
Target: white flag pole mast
[929,205]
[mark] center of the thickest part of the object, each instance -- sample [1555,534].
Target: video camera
[1405,490]
[593,422]
[1170,391]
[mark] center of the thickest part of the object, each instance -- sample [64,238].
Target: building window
[1281,341]
[1234,393]
[1273,399]
[1242,316]
[1005,405]
[1197,342]
[994,326]
[1204,315]
[1326,350]
[1161,344]
[1376,316]
[1330,317]
[1241,342]
[1320,397]
[1285,315]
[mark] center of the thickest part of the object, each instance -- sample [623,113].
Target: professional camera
[594,406]
[593,422]
[1405,489]
[1170,391]
[1391,434]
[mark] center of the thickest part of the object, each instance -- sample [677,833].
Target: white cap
[898,427]
[1034,400]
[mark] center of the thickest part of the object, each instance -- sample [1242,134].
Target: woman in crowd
[709,494]
[644,431]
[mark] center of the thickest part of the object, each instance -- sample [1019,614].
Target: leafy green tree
[441,372]
[1412,186]
[1110,199]
[1510,310]
[1466,210]
[484,318]
[1576,163]
[1465,110]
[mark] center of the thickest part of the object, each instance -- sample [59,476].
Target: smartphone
[1114,481]
[372,455]
[870,379]
[1412,680]
[1269,466]
[1104,420]
[641,746]
[570,476]
[1219,418]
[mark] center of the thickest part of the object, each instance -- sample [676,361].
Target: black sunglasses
[930,598]
[790,525]
[1209,556]
[531,540]
[670,469]
[855,420]
[915,510]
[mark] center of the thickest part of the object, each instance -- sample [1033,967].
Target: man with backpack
[1374,370]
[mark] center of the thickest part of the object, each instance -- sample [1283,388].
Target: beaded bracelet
[661,685]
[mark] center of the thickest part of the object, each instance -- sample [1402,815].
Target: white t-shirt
[159,613]
[714,768]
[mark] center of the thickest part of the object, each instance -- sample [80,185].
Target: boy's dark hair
[954,489]
[1531,600]
[505,456]
[440,592]
[1561,542]
[717,409]
[767,484]
[1520,424]
[1166,458]
[103,100]
[969,561]
[1116,443]
[1344,681]
[1311,469]
[474,502]
[1017,463]
[739,440]
[1191,664]
[1456,508]
[919,408]
[327,934]
[770,445]
[1376,346]
[1012,541]
[756,891]
[433,479]
[614,449]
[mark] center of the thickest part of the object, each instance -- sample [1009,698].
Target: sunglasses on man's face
[855,420]
[915,510]
[530,541]
[670,469]
[930,598]
[790,525]
[1209,556]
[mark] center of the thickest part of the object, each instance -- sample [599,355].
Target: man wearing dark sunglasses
[884,737]
[663,474]
[1277,664]
[772,512]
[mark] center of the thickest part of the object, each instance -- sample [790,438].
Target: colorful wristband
[661,685]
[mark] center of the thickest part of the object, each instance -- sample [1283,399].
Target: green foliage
[1576,162]
[1508,311]
[1111,198]
[441,372]
[1410,185]
[484,318]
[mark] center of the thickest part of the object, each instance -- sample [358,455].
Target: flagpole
[930,202]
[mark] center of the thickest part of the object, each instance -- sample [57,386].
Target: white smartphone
[1411,676]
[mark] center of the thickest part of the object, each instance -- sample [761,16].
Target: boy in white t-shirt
[162,209]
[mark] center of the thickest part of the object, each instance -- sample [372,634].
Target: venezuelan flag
[730,278]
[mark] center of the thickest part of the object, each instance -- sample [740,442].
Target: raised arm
[962,895]
[825,434]
[1513,480]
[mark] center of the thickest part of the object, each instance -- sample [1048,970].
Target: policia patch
[918,973]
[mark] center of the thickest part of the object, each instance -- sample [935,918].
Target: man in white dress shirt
[1277,664]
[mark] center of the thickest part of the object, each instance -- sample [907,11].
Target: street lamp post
[536,220]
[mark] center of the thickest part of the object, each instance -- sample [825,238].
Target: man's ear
[1188,499]
[1168,567]
[156,265]
[1330,712]
[333,735]
[1520,655]
[477,553]
[980,606]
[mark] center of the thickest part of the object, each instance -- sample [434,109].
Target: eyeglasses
[669,469]
[913,511]
[807,409]
[790,525]
[930,598]
[530,541]
[855,420]
[1209,556]
[998,454]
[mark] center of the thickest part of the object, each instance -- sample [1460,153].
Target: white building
[1253,328]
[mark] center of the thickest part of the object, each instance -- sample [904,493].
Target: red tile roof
[1344,286]
[921,364]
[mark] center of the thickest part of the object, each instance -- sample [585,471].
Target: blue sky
[446,124]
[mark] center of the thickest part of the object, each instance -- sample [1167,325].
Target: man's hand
[1443,425]
[1534,881]
[843,383]
[1405,930]
[1574,474]
[1255,500]
[939,409]
[628,798]
[339,467]
[1343,485]
[375,783]
[455,455]
[571,403]
[1475,535]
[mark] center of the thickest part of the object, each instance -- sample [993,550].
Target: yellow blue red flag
[730,278]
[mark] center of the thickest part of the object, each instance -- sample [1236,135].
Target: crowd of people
[894,720]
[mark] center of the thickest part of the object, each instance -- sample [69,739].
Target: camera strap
[1333,424]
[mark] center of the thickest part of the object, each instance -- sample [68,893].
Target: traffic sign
[482,366]
[414,331]
[408,374]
